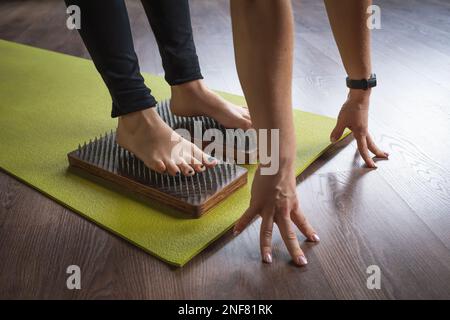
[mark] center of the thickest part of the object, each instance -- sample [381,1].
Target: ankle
[134,121]
[195,86]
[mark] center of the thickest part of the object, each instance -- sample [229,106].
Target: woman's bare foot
[146,135]
[195,99]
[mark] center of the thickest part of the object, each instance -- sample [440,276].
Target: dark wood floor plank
[422,182]
[363,222]
[233,265]
[433,13]
[38,243]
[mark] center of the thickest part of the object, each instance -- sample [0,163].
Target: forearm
[348,22]
[263,42]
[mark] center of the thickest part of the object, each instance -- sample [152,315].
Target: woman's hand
[274,199]
[355,116]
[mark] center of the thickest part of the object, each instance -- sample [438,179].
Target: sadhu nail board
[193,195]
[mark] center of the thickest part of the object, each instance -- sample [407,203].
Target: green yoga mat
[50,102]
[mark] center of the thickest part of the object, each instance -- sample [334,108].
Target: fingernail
[333,139]
[235,232]
[302,260]
[178,173]
[191,172]
[267,258]
[211,159]
[315,237]
[386,154]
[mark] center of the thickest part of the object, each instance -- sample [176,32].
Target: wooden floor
[396,217]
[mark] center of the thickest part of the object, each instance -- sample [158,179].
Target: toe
[209,161]
[196,164]
[157,165]
[203,158]
[245,124]
[186,169]
[243,111]
[172,168]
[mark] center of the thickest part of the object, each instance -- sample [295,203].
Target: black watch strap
[363,84]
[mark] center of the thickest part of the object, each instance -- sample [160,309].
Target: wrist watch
[363,84]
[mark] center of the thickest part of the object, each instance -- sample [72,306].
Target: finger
[338,130]
[374,149]
[303,225]
[363,150]
[265,238]
[243,222]
[290,239]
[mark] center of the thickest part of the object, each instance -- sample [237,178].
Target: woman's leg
[171,24]
[105,30]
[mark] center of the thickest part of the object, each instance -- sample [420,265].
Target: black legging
[105,30]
